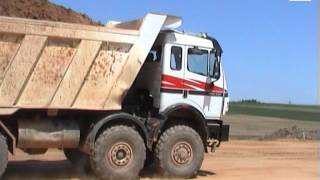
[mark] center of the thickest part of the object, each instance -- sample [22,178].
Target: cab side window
[176,58]
[154,54]
[198,61]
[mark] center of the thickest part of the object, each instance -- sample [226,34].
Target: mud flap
[217,131]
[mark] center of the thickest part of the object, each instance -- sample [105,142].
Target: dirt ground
[237,159]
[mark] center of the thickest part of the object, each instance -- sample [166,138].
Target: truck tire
[118,154]
[3,155]
[179,152]
[78,158]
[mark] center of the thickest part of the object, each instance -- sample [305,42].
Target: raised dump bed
[69,66]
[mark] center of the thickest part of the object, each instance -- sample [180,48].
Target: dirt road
[287,159]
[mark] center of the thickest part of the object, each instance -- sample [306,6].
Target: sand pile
[293,133]
[44,10]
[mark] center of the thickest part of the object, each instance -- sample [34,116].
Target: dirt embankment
[293,133]
[44,10]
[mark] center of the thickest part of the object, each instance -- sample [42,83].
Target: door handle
[185,94]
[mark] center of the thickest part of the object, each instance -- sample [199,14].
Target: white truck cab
[188,75]
[185,78]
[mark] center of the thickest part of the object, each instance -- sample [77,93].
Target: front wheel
[118,154]
[179,152]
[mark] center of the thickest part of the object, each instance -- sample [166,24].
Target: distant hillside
[286,111]
[42,9]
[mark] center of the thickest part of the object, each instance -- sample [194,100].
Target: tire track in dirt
[250,160]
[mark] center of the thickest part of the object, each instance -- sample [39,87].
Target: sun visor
[172,22]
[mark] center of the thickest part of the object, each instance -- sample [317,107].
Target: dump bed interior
[69,66]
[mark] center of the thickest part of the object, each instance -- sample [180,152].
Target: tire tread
[160,147]
[3,154]
[102,139]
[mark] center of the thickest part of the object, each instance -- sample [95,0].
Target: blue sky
[270,46]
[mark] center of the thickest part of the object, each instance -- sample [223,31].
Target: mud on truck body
[114,98]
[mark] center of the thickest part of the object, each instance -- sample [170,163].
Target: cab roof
[201,40]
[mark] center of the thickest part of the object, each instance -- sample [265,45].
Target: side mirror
[216,71]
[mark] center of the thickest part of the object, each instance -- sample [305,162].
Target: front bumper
[218,131]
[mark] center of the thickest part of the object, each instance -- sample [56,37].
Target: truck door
[172,76]
[200,86]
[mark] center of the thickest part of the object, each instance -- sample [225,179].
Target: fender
[115,118]
[200,118]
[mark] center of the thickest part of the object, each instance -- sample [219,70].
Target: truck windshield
[198,61]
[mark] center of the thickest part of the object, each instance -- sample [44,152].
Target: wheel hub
[181,153]
[120,154]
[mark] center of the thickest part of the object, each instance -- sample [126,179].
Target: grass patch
[296,112]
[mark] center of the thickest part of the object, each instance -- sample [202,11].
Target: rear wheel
[119,153]
[179,152]
[3,155]
[78,158]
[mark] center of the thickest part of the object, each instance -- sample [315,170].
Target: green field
[285,111]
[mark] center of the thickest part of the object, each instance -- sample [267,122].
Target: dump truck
[114,98]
